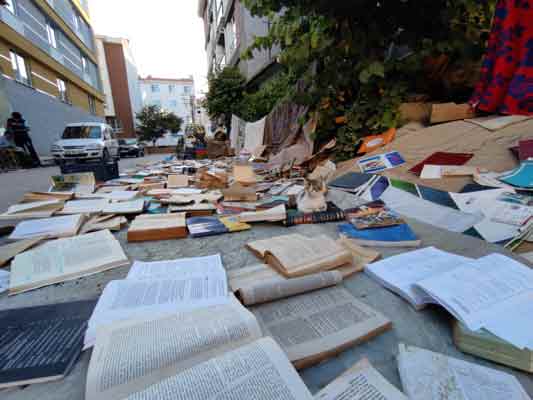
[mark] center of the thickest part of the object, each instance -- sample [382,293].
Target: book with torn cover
[41,344]
[37,209]
[48,228]
[390,236]
[296,255]
[318,325]
[65,259]
[275,214]
[148,227]
[360,382]
[428,375]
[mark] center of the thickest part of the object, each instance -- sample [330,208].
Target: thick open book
[65,259]
[400,273]
[148,227]
[155,289]
[204,354]
[361,382]
[48,228]
[427,375]
[37,209]
[296,255]
[315,326]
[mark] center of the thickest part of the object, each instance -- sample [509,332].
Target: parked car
[86,141]
[131,147]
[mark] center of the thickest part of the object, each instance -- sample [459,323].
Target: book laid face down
[296,255]
[360,382]
[48,228]
[37,209]
[167,289]
[318,325]
[427,375]
[41,344]
[65,259]
[401,273]
[147,227]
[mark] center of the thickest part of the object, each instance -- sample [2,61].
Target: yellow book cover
[234,225]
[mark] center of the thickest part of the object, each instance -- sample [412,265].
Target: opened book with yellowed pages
[65,259]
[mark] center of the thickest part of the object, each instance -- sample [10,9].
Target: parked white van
[86,141]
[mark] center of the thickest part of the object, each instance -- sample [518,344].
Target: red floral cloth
[506,84]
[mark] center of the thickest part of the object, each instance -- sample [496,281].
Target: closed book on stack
[391,236]
[148,227]
[485,345]
[332,214]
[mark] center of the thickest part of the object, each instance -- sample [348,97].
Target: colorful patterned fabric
[506,84]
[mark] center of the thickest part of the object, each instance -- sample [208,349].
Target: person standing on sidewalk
[16,125]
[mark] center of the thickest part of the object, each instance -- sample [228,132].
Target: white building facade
[172,95]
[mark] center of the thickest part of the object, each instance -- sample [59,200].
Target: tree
[360,59]
[154,123]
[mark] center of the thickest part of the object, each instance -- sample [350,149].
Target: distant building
[229,30]
[202,118]
[49,66]
[173,95]
[120,82]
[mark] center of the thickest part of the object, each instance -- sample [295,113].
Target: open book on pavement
[210,353]
[65,259]
[400,273]
[37,209]
[48,228]
[427,375]
[361,382]
[160,288]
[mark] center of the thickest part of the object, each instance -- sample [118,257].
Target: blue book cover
[521,177]
[390,234]
[205,226]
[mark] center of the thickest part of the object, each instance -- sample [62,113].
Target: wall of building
[45,115]
[109,106]
[134,85]
[176,100]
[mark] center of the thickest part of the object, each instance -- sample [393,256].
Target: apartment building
[49,65]
[229,30]
[173,95]
[120,84]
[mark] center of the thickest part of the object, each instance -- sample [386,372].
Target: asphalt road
[14,184]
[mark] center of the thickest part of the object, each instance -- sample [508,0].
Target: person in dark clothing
[16,125]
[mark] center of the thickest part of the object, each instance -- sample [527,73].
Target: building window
[51,32]
[171,88]
[10,6]
[173,103]
[62,87]
[20,68]
[92,105]
[231,37]
[76,21]
[84,63]
[155,88]
[187,89]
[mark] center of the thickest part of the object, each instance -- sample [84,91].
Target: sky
[167,36]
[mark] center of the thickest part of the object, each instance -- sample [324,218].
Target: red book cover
[525,149]
[442,158]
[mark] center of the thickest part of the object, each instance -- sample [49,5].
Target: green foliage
[228,95]
[154,123]
[361,58]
